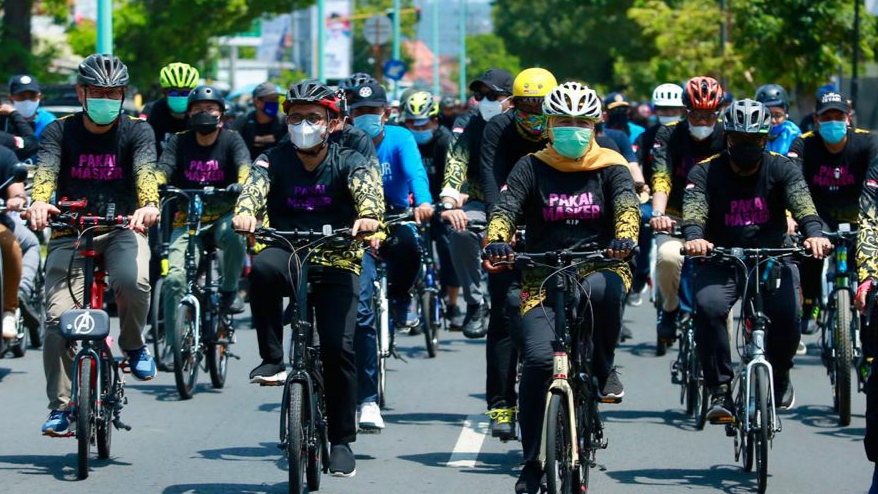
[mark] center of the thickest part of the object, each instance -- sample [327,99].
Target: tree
[485,51]
[19,55]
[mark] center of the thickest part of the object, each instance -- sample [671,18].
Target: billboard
[338,39]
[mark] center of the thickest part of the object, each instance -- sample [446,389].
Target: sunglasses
[178,92]
[702,115]
[492,96]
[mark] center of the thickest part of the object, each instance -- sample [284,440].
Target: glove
[498,249]
[235,188]
[621,245]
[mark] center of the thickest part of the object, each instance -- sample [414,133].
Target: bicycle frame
[837,277]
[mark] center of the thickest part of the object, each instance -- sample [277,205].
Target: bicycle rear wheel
[85,403]
[186,356]
[695,399]
[105,424]
[559,469]
[430,322]
[158,331]
[295,437]
[760,427]
[843,357]
[217,353]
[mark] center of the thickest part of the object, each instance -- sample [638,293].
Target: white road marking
[469,443]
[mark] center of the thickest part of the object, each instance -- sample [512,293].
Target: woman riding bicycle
[738,198]
[571,193]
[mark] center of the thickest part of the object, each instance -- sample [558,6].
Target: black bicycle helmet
[773,95]
[205,93]
[102,70]
[355,81]
[747,116]
[314,92]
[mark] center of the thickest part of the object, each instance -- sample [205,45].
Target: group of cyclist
[536,166]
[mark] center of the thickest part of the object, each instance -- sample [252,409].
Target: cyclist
[16,200]
[304,184]
[15,132]
[167,115]
[807,123]
[543,188]
[206,155]
[25,96]
[262,128]
[421,116]
[448,107]
[617,116]
[109,159]
[783,131]
[834,160]
[677,147]
[738,198]
[352,83]
[402,174]
[462,195]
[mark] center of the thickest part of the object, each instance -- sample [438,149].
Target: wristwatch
[658,214]
[447,206]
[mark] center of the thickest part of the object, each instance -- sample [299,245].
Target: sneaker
[612,390]
[141,363]
[665,331]
[531,479]
[802,349]
[370,416]
[502,423]
[474,325]
[58,424]
[784,395]
[341,461]
[635,299]
[231,303]
[404,312]
[269,374]
[455,318]
[721,406]
[10,325]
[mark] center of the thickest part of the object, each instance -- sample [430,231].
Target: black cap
[832,101]
[615,100]
[21,83]
[265,89]
[371,94]
[497,80]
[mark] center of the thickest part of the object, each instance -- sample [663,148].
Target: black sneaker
[474,324]
[455,318]
[502,423]
[665,331]
[784,395]
[341,461]
[612,390]
[531,479]
[231,303]
[269,374]
[721,406]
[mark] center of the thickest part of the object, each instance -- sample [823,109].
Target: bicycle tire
[760,427]
[701,420]
[157,324]
[295,437]
[185,354]
[693,391]
[383,344]
[84,412]
[843,356]
[588,441]
[559,470]
[429,322]
[218,356]
[38,304]
[104,434]
[319,449]
[746,440]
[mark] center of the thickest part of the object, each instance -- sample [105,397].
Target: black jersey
[835,179]
[250,128]
[17,135]
[8,160]
[163,123]
[502,146]
[746,211]
[434,155]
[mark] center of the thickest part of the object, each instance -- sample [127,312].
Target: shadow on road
[725,478]
[507,463]
[167,392]
[223,488]
[424,418]
[675,417]
[266,451]
[5,372]
[60,467]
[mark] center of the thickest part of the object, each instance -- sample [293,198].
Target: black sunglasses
[492,96]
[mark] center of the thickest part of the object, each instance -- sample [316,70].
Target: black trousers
[607,292]
[717,287]
[501,355]
[403,261]
[334,300]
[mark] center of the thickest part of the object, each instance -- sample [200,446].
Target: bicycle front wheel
[296,445]
[559,468]
[85,402]
[157,329]
[217,353]
[430,322]
[760,427]
[186,355]
[841,341]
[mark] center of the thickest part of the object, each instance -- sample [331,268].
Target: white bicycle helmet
[572,99]
[668,95]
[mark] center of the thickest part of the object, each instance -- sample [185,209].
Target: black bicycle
[687,372]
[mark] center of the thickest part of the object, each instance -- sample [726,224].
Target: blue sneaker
[58,424]
[404,312]
[141,364]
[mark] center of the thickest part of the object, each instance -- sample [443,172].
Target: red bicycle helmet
[312,91]
[702,93]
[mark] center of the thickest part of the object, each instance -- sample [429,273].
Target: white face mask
[700,132]
[27,108]
[306,135]
[490,109]
[665,120]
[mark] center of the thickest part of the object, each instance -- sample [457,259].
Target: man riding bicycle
[738,198]
[168,115]
[570,193]
[108,159]
[16,200]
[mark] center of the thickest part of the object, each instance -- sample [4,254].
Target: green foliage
[485,51]
[289,77]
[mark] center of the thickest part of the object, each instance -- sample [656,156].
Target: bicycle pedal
[730,431]
[232,355]
[369,430]
[723,421]
[271,384]
[611,401]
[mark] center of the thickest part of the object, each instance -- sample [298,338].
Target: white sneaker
[802,350]
[370,416]
[10,329]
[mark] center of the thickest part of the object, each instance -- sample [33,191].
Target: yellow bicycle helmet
[533,83]
[179,75]
[420,105]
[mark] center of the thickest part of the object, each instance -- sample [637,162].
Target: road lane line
[469,443]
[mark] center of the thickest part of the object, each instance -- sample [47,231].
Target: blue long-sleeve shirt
[780,139]
[401,168]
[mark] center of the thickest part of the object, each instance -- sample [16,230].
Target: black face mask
[746,155]
[204,123]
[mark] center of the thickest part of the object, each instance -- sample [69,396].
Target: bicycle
[840,322]
[686,371]
[98,394]
[157,332]
[16,346]
[573,431]
[386,340]
[755,420]
[201,329]
[303,424]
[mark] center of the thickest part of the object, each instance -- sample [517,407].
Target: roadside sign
[377,29]
[394,69]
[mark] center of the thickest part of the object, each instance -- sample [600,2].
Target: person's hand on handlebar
[457,218]
[819,246]
[498,252]
[697,247]
[662,223]
[38,214]
[144,218]
[620,248]
[368,225]
[244,222]
[423,212]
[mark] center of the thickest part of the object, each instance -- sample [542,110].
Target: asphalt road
[224,441]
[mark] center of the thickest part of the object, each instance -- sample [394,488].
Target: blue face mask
[422,136]
[271,108]
[570,142]
[178,104]
[369,123]
[103,111]
[833,132]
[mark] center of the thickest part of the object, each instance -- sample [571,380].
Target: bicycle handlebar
[553,258]
[231,190]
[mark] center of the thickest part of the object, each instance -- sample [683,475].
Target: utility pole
[722,43]
[462,72]
[855,83]
[105,26]
[434,13]
[321,40]
[396,40]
